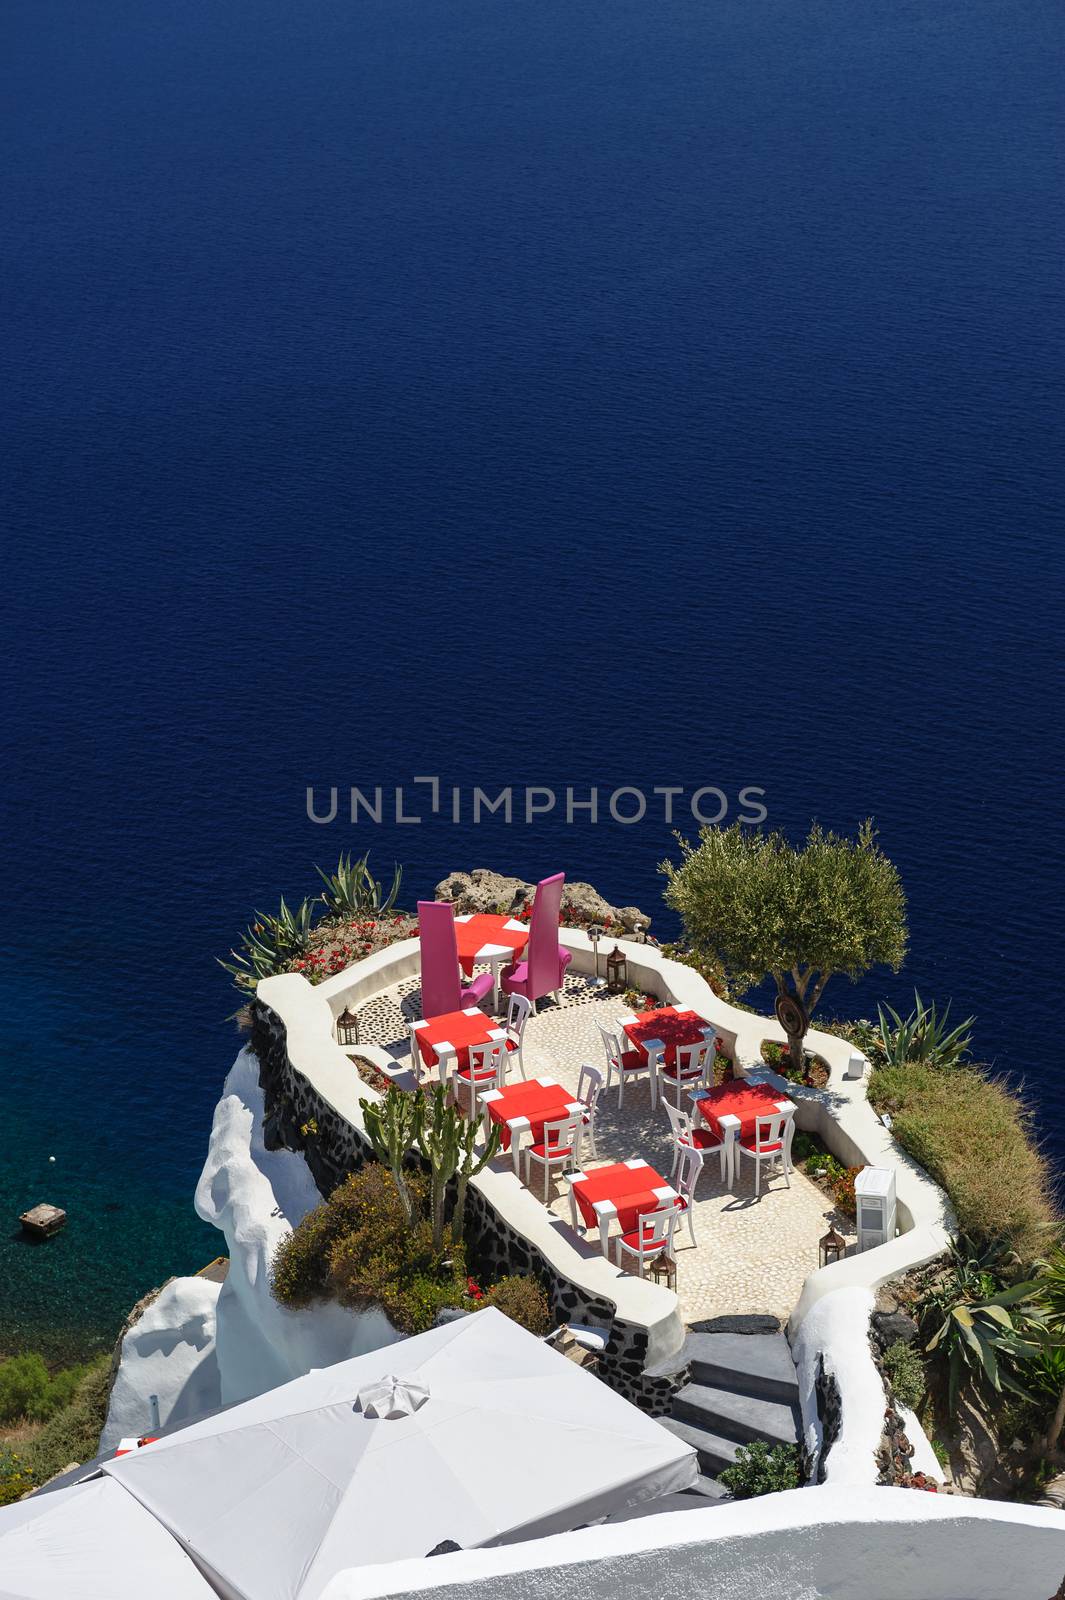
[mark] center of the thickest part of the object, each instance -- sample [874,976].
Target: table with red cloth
[445,1040]
[525,1107]
[731,1112]
[624,1190]
[495,940]
[667,1027]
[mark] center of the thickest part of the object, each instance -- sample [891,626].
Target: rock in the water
[893,1327]
[484,890]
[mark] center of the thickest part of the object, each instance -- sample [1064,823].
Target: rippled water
[559,394]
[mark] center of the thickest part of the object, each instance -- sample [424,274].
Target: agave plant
[352,890]
[984,1331]
[270,944]
[924,1036]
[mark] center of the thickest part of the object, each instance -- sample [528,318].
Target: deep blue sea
[588,392]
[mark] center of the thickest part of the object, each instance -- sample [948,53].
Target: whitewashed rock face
[836,1330]
[169,1352]
[256,1197]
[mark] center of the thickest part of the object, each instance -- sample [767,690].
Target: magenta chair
[544,969]
[441,989]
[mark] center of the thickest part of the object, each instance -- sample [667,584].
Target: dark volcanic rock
[754,1323]
[893,1327]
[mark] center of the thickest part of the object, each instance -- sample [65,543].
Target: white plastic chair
[689,1171]
[629,1063]
[693,1063]
[589,1088]
[487,1070]
[652,1235]
[771,1143]
[518,1009]
[560,1147]
[687,1134]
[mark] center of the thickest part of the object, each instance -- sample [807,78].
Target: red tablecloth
[540,1102]
[747,1101]
[485,929]
[630,1188]
[458,1028]
[673,1027]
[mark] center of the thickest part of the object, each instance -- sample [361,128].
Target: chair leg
[757,1177]
[691,1216]
[547,1178]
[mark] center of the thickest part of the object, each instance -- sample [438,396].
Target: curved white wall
[810,1544]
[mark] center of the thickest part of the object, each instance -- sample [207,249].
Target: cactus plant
[470,1164]
[393,1126]
[439,1140]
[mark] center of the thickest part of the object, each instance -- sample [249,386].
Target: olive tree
[762,908]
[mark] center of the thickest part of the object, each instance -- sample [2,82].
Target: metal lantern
[663,1269]
[617,972]
[595,933]
[833,1247]
[347,1028]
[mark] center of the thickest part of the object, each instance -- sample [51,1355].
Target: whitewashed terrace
[752,1254]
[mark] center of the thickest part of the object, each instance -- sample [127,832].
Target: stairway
[742,1387]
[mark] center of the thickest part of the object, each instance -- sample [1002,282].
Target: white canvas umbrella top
[92,1541]
[508,1439]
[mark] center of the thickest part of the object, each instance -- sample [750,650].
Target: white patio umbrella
[92,1541]
[475,1434]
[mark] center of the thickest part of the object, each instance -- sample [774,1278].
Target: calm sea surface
[560,394]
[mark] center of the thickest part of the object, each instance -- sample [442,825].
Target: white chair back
[680,1124]
[692,1060]
[689,1170]
[560,1138]
[589,1085]
[612,1046]
[518,1008]
[654,1231]
[771,1130]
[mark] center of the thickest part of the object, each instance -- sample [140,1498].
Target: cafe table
[523,1108]
[621,1192]
[731,1112]
[445,1041]
[496,941]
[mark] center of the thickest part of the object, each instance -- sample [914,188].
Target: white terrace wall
[810,1544]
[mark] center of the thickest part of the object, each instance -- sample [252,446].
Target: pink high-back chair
[442,990]
[543,971]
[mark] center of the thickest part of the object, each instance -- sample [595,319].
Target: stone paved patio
[752,1255]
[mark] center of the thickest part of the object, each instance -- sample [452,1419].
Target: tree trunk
[1056,1426]
[798,1058]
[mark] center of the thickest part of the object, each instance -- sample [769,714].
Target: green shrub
[357,1248]
[23,1387]
[905,1373]
[28,1390]
[362,1220]
[16,1479]
[973,1134]
[760,1468]
[72,1433]
[524,1301]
